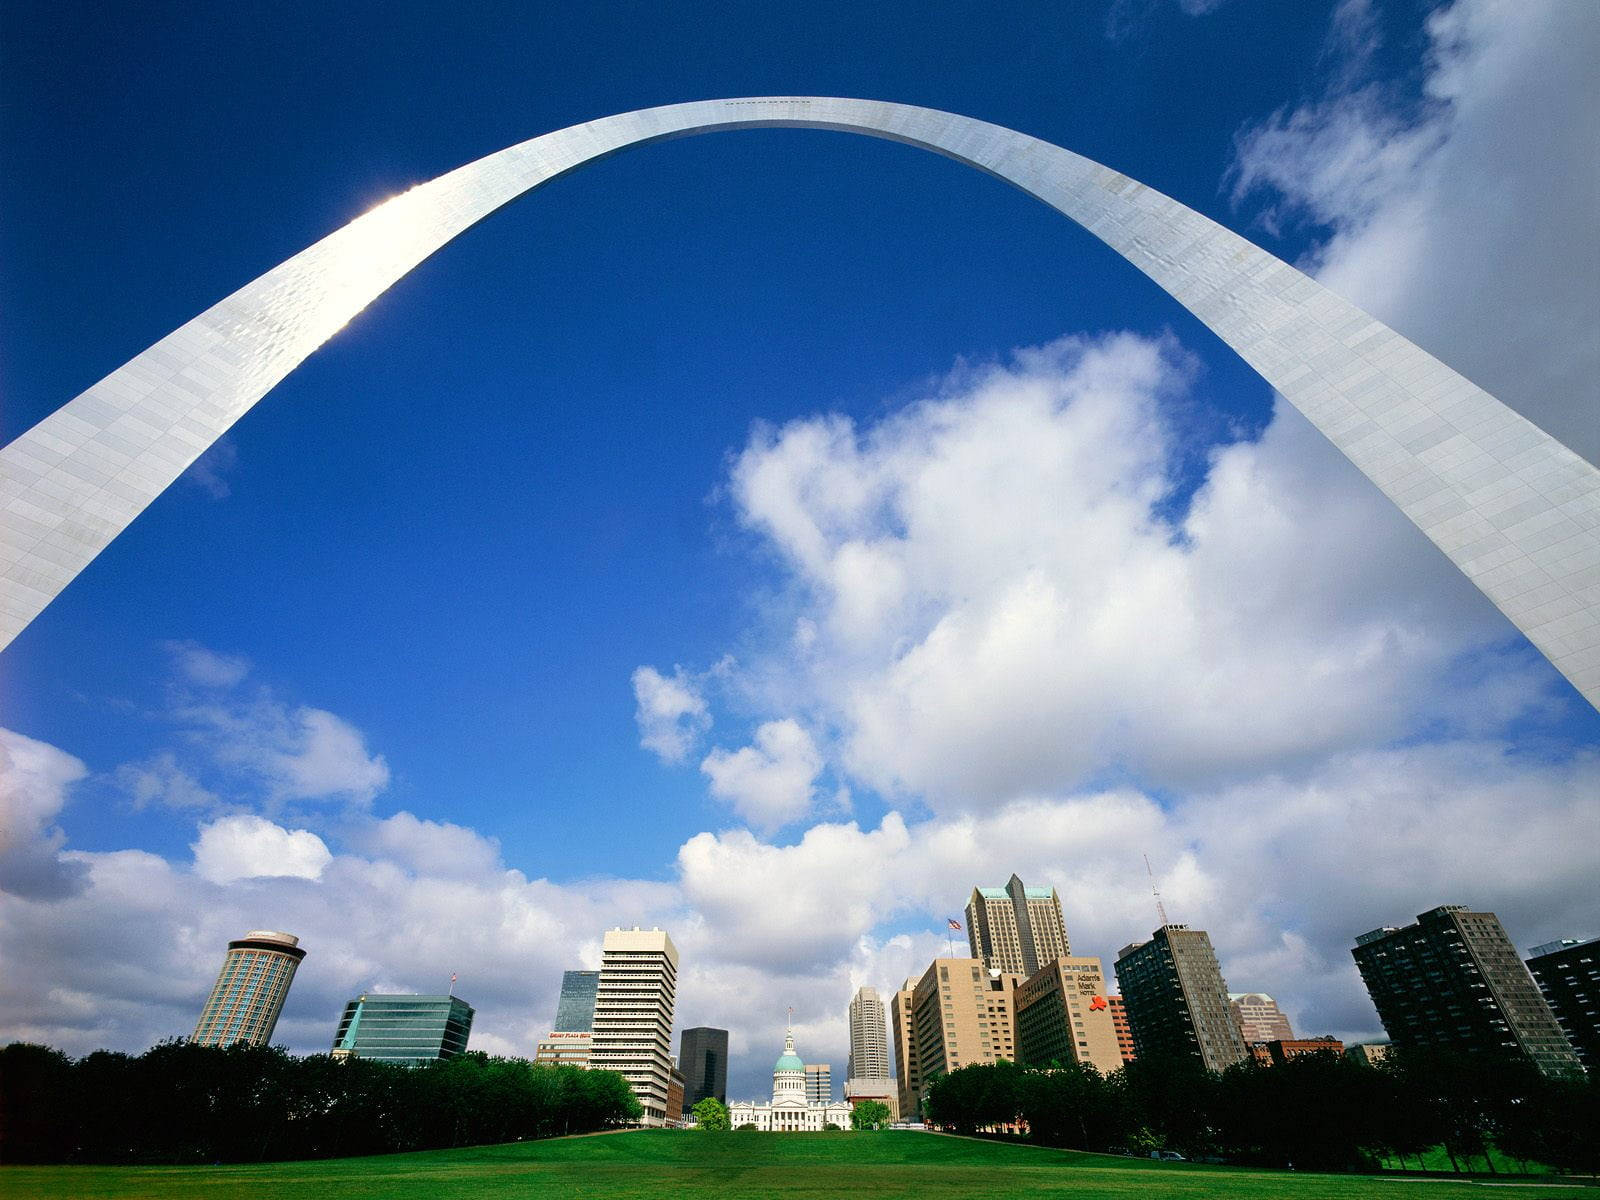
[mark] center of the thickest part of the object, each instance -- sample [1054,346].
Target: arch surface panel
[1513,508]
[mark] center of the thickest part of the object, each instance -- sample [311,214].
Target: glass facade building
[248,996]
[409,1030]
[703,1059]
[575,1009]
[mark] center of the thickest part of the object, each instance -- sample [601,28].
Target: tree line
[183,1103]
[1318,1112]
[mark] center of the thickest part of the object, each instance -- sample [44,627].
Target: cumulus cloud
[35,779]
[671,712]
[207,668]
[771,783]
[1465,217]
[249,847]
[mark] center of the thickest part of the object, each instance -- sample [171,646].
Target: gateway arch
[1513,508]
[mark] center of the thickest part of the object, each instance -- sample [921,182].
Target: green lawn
[731,1166]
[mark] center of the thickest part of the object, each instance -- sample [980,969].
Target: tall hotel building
[1177,1000]
[1568,973]
[1453,980]
[250,989]
[961,1014]
[1063,1016]
[1016,929]
[633,1015]
[908,1072]
[869,1043]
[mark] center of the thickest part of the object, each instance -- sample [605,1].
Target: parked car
[1167,1156]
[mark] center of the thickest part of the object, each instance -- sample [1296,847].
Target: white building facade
[789,1111]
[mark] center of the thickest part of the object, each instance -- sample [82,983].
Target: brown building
[1119,1021]
[1062,1016]
[1259,1018]
[1281,1050]
[1016,929]
[675,1088]
[961,1014]
[908,1075]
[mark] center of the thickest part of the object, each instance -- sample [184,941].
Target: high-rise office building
[703,1058]
[1568,974]
[1016,929]
[575,1009]
[869,1041]
[1454,981]
[819,1083]
[1259,1018]
[408,1030]
[961,1014]
[1063,1016]
[633,1014]
[248,996]
[1177,1000]
[1119,1021]
[908,1073]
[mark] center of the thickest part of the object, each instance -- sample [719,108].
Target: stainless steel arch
[1517,511]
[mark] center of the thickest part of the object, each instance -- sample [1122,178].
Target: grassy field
[662,1164]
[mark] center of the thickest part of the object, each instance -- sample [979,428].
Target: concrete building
[1568,975]
[633,1012]
[789,1111]
[567,1048]
[885,1091]
[1016,929]
[869,1041]
[908,1073]
[250,989]
[703,1057]
[1258,1017]
[1119,1020]
[408,1030]
[1453,980]
[1281,1050]
[1368,1053]
[819,1083]
[575,1009]
[961,1014]
[1063,1016]
[675,1095]
[1177,1000]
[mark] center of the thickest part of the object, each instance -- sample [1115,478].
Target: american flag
[953,923]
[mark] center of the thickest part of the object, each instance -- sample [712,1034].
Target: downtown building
[1016,929]
[1063,1015]
[1119,1021]
[867,1074]
[1177,1000]
[1568,975]
[959,1013]
[406,1030]
[1453,981]
[250,990]
[571,1039]
[633,1017]
[819,1083]
[1259,1018]
[908,1071]
[703,1059]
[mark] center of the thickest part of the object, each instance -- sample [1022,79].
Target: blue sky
[422,577]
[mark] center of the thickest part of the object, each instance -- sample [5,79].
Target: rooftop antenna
[1154,891]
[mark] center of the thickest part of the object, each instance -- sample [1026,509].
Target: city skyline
[423,768]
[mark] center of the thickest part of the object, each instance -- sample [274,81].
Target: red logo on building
[1097,1004]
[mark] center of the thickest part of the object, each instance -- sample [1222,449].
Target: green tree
[711,1115]
[869,1114]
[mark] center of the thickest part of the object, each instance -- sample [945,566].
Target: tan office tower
[819,1083]
[1063,1015]
[250,989]
[869,1045]
[633,1015]
[1259,1018]
[961,1014]
[1016,929]
[908,1075]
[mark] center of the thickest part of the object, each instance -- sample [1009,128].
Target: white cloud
[771,783]
[1468,221]
[161,780]
[671,712]
[35,779]
[206,667]
[249,847]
